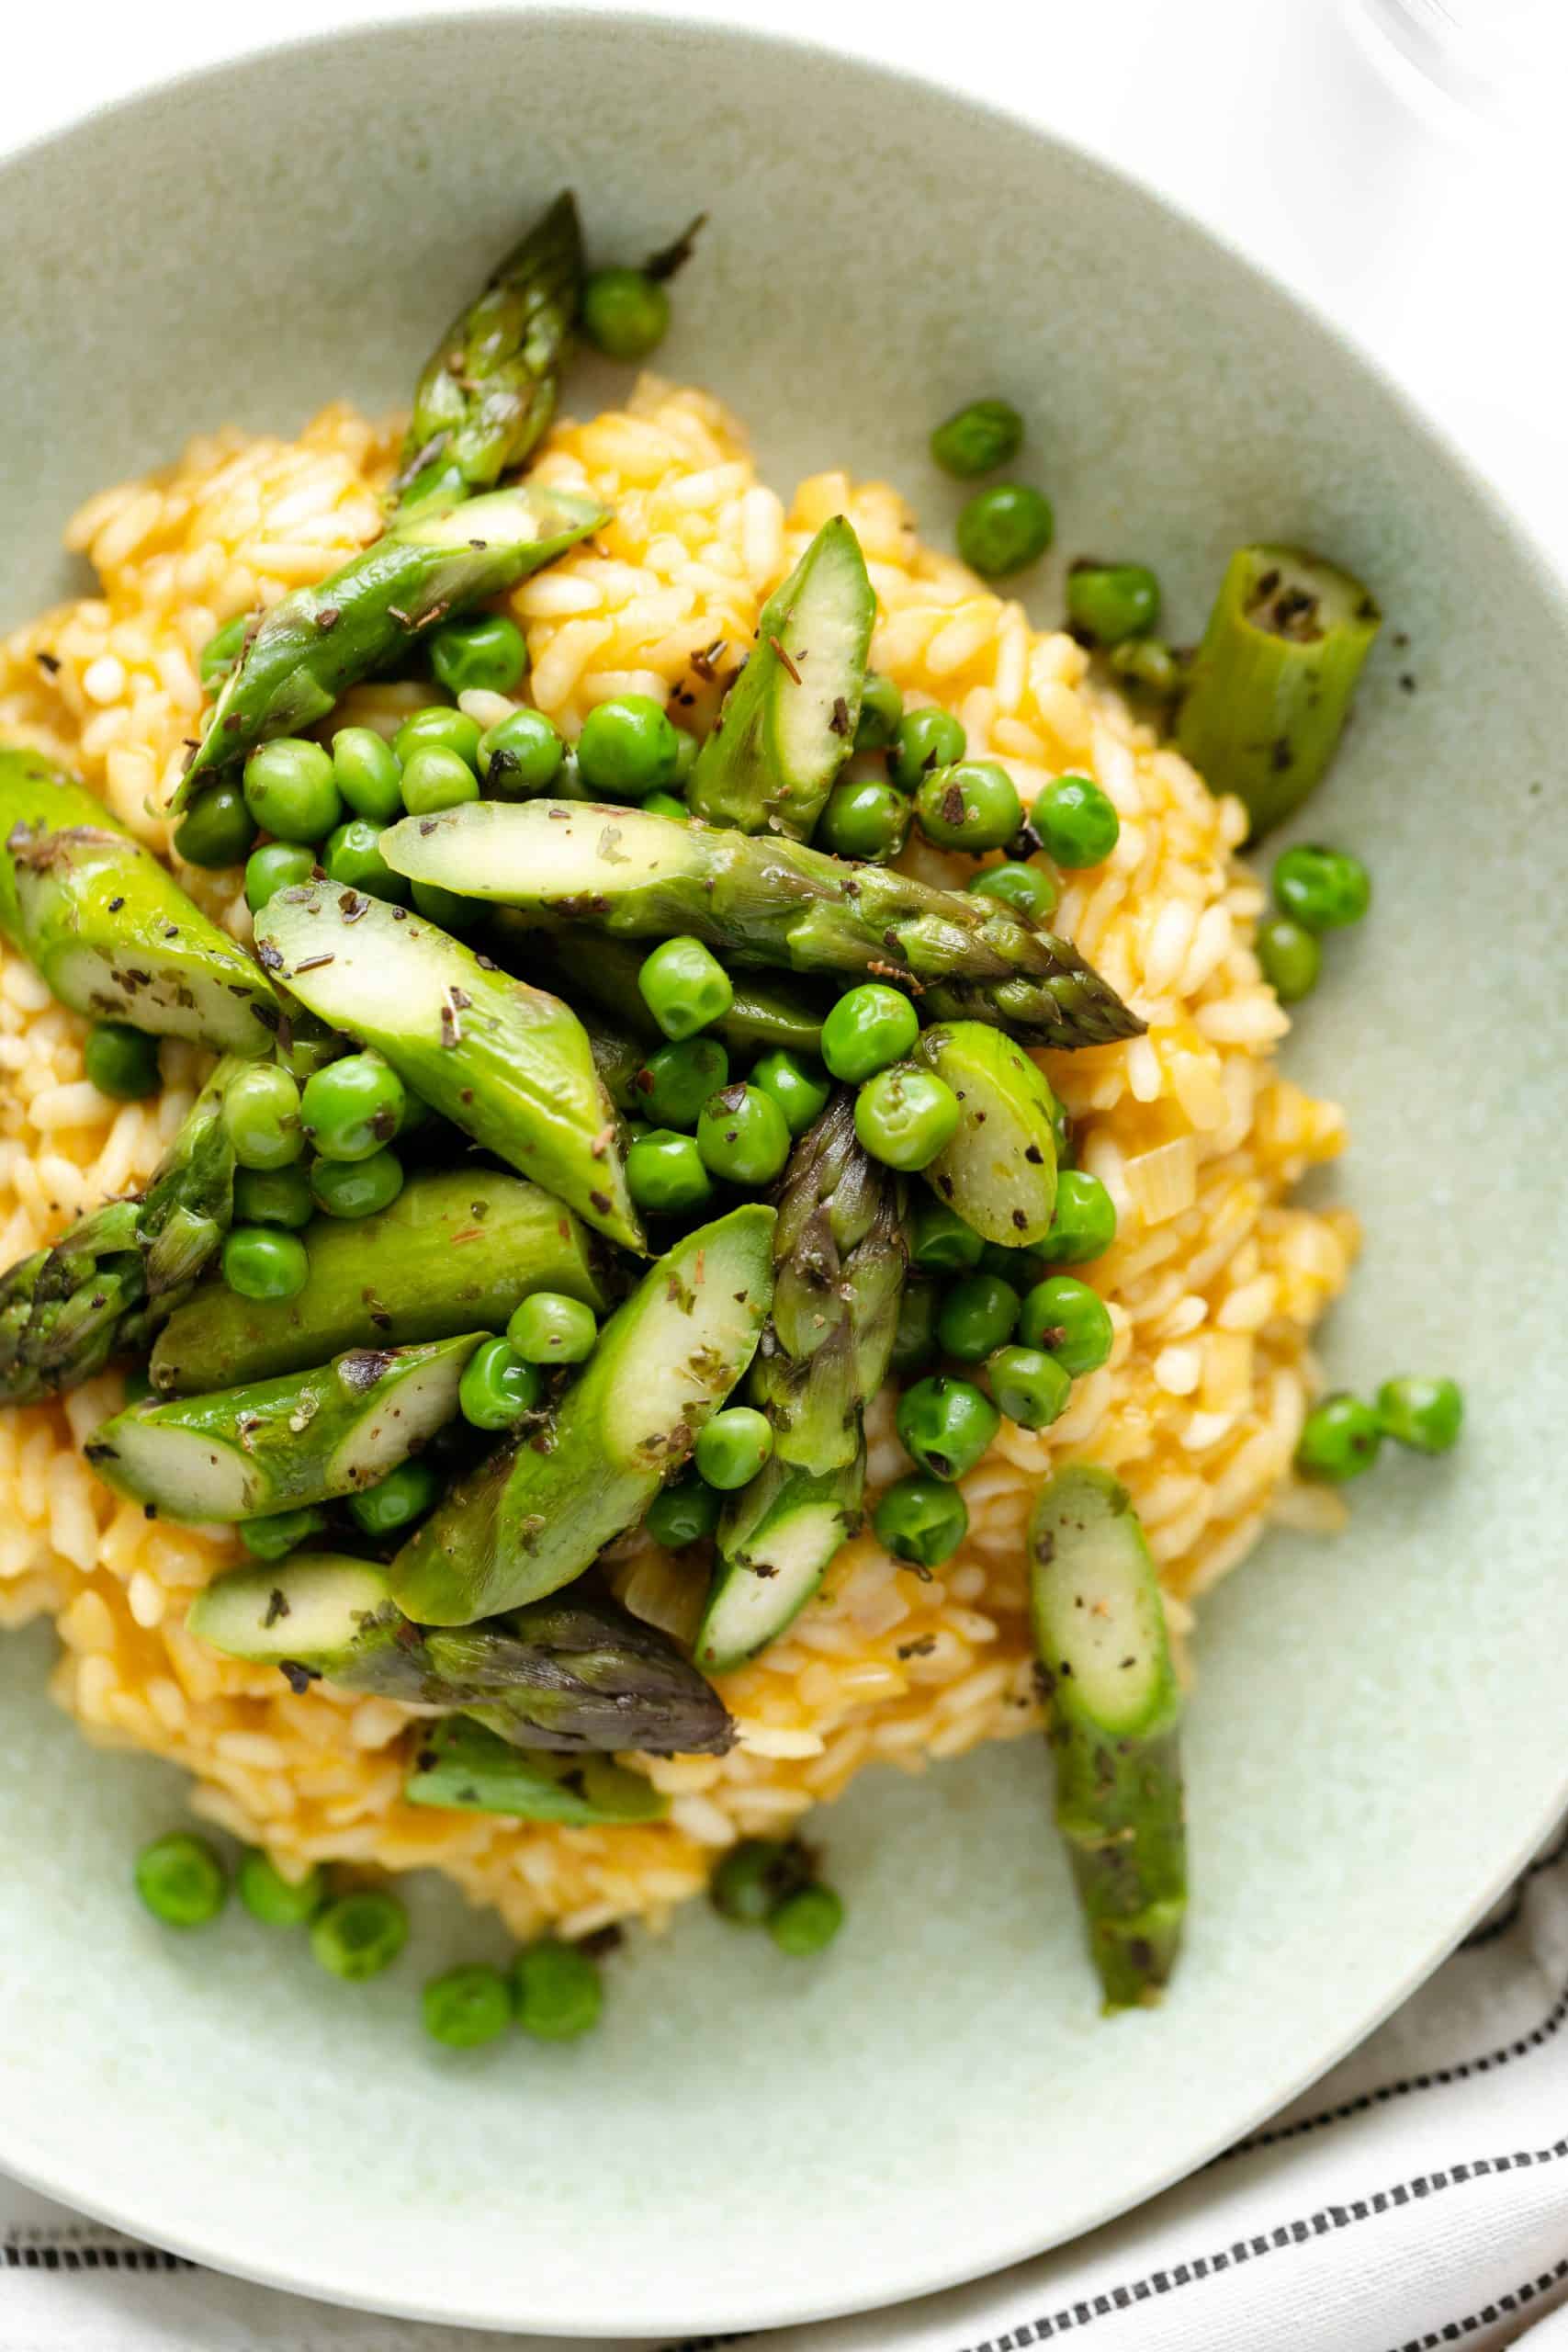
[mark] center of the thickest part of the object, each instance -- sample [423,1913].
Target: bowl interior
[1376,1736]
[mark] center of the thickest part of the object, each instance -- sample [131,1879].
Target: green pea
[676,1080]
[352,1107]
[914,1341]
[870,1028]
[1075,822]
[1320,888]
[1427,1414]
[977,1315]
[520,756]
[743,1137]
[684,1514]
[1070,1321]
[557,1991]
[497,1388]
[261,1116]
[1340,1440]
[976,438]
[486,652]
[276,865]
[685,987]
[276,1901]
[972,805]
[138,1385]
[664,804]
[921,1519]
[686,750]
[359,1935]
[121,1062]
[1148,664]
[404,1495]
[550,1328]
[290,790]
[665,1173]
[1025,889]
[1110,602]
[1003,529]
[626,313]
[1084,1225]
[369,775]
[438,727]
[733,1447]
[437,779]
[280,1532]
[806,1923]
[357,1188]
[217,830]
[946,1425]
[466,2006]
[352,856]
[221,651]
[881,708]
[629,748]
[798,1086]
[1288,956]
[755,1877]
[904,1116]
[864,818]
[941,1241]
[446,909]
[273,1197]
[924,739]
[181,1880]
[1019,1268]
[1029,1386]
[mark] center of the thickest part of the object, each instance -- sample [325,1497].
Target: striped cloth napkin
[1417,2197]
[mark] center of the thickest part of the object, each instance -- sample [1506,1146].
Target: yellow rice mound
[1214,1283]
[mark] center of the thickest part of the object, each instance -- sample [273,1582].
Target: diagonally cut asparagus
[467,1768]
[279,1444]
[1114,1708]
[763,900]
[1000,1170]
[537,1512]
[508,1064]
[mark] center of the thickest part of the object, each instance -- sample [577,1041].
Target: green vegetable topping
[1003,529]
[357,1188]
[807,1922]
[122,1063]
[497,1387]
[1030,1388]
[977,1315]
[550,1328]
[217,830]
[352,1107]
[261,1118]
[1322,889]
[404,1495]
[221,650]
[279,1532]
[368,773]
[1109,601]
[276,865]
[446,909]
[1427,1414]
[438,727]
[797,1087]
[1340,1439]
[733,1447]
[676,1080]
[868,1029]
[626,313]
[946,1425]
[1070,1321]
[755,1877]
[905,1116]
[520,756]
[924,739]
[881,708]
[435,778]
[1075,822]
[627,749]
[864,818]
[263,1263]
[276,1901]
[972,805]
[975,439]
[1028,889]
[684,985]
[181,1880]
[352,856]
[1288,956]
[359,1935]
[922,1521]
[273,1197]
[557,1992]
[941,1241]
[665,1173]
[743,1136]
[290,790]
[914,1343]
[466,2006]
[686,750]
[1084,1226]
[664,804]
[684,1514]
[1148,664]
[486,650]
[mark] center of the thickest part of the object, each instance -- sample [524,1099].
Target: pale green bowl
[1377,1735]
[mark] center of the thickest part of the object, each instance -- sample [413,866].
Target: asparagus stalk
[503,1061]
[764,902]
[789,719]
[488,389]
[764,1013]
[1272,684]
[455,1252]
[1000,1170]
[536,1514]
[372,612]
[109,928]
[839,1262]
[1105,1661]
[465,1767]
[280,1444]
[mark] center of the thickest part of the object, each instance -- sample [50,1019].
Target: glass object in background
[1479,68]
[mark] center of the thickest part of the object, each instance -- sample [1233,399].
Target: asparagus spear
[279,1445]
[109,928]
[467,1768]
[1272,684]
[567,1676]
[489,388]
[318,641]
[455,1252]
[538,1512]
[1116,1704]
[839,1262]
[789,719]
[1000,1170]
[503,1061]
[763,902]
[764,1013]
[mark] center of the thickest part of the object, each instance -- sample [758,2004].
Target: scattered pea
[1070,1321]
[881,708]
[806,1923]
[520,756]
[664,804]
[755,1877]
[358,1935]
[1340,1440]
[921,1519]
[290,790]
[940,1239]
[1110,602]
[977,1315]
[798,1086]
[976,439]
[181,1880]
[557,1992]
[281,1532]
[1290,957]
[946,1425]
[352,1107]
[1075,822]
[743,1136]
[972,805]
[368,773]
[438,725]
[1424,1413]
[497,1388]
[352,856]
[686,750]
[1029,1386]
[904,1116]
[665,1174]
[261,1262]
[684,1514]
[273,1197]
[121,1062]
[870,1027]
[466,2006]
[484,651]
[276,865]
[404,1495]
[924,739]
[1320,888]
[1084,1225]
[548,1328]
[435,778]
[733,1447]
[629,748]
[626,313]
[1147,662]
[276,1901]
[1003,529]
[865,819]
[1025,889]
[685,987]
[218,829]
[357,1188]
[676,1080]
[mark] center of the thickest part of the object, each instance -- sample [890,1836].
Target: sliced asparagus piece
[279,1445]
[1272,684]
[318,641]
[764,1013]
[454,1253]
[467,1768]
[503,1061]
[109,928]
[317,1616]
[1116,1704]
[779,1537]
[789,719]
[1000,1170]
[537,1512]
[763,901]
[488,389]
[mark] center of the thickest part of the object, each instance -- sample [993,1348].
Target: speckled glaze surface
[1377,1737]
